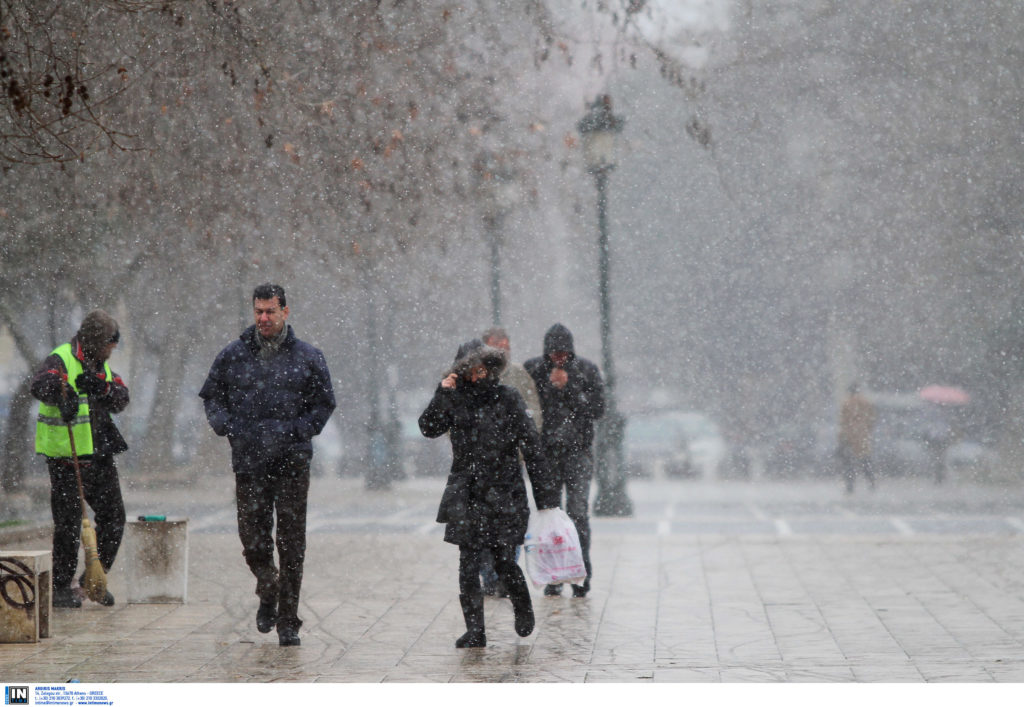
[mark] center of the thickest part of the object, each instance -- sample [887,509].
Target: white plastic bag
[552,547]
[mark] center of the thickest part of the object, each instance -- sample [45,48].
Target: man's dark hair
[269,291]
[495,332]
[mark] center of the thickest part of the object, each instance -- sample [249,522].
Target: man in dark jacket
[78,392]
[270,393]
[571,398]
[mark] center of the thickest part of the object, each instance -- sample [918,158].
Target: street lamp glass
[599,149]
[599,128]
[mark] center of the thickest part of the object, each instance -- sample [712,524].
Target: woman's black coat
[484,503]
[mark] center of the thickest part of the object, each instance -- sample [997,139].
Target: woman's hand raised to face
[449,381]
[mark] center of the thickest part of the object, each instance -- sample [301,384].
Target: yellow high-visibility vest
[51,431]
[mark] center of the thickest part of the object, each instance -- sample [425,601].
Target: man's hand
[68,404]
[559,378]
[90,384]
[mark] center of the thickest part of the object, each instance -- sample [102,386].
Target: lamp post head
[599,128]
[497,186]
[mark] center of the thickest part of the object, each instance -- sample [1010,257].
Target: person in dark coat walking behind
[270,393]
[484,505]
[76,388]
[571,398]
[514,376]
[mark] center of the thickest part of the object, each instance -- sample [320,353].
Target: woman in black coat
[484,503]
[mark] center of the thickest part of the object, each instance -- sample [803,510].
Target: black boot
[66,598]
[473,613]
[288,635]
[519,593]
[266,616]
[580,590]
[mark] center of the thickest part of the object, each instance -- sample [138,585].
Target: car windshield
[645,431]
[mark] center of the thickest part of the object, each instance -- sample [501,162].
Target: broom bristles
[95,580]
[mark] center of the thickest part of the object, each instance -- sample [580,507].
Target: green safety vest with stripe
[51,431]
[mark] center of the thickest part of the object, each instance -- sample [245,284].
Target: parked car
[328,451]
[673,443]
[898,442]
[792,451]
[802,449]
[971,457]
[706,444]
[422,456]
[655,444]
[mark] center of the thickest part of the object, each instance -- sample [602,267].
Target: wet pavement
[728,582]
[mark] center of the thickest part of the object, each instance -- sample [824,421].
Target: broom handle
[74,458]
[78,471]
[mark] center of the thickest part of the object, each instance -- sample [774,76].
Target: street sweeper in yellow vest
[78,393]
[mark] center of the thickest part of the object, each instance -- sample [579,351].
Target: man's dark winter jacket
[569,413]
[484,502]
[267,408]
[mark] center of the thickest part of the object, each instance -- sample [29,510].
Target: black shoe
[553,590]
[471,639]
[473,613]
[266,617]
[288,636]
[580,591]
[108,599]
[522,604]
[523,608]
[66,598]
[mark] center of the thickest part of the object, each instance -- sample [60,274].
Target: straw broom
[95,580]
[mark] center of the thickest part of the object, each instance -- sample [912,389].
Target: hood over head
[97,330]
[558,338]
[475,353]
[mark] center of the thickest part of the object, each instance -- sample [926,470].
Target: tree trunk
[157,456]
[16,450]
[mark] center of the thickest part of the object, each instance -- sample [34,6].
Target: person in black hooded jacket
[484,505]
[571,399]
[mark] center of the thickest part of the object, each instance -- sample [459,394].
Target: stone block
[26,588]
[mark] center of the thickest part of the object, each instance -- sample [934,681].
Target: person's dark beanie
[96,331]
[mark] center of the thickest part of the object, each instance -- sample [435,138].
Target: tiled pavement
[666,607]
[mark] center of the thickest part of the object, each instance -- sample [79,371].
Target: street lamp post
[599,129]
[500,194]
[377,451]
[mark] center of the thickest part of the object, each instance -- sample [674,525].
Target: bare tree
[63,64]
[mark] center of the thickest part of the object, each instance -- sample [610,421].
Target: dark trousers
[573,472]
[279,486]
[852,464]
[505,565]
[102,489]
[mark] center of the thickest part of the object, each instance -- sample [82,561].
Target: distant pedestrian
[78,393]
[856,425]
[484,505]
[572,399]
[270,393]
[514,376]
[938,435]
